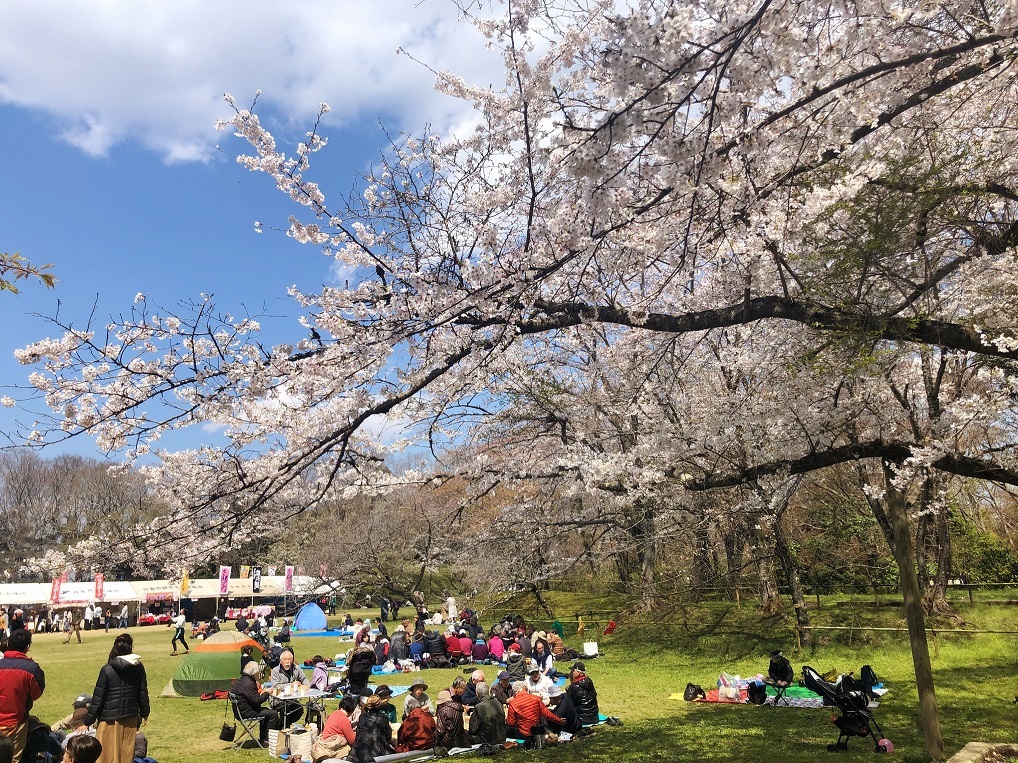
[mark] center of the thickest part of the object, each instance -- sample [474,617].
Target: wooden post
[936,644]
[738,603]
[798,638]
[970,595]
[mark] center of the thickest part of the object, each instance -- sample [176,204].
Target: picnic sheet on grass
[797,696]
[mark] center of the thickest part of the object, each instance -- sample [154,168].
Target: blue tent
[310,618]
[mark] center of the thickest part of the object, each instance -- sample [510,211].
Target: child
[82,749]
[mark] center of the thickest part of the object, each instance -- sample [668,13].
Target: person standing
[88,617]
[178,622]
[120,702]
[72,626]
[22,682]
[123,617]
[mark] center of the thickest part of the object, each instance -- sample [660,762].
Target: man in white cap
[537,682]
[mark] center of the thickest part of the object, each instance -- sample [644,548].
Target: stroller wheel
[832,748]
[842,745]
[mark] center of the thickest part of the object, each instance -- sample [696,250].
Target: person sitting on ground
[283,637]
[525,711]
[452,644]
[560,704]
[383,691]
[380,627]
[544,658]
[583,694]
[537,682]
[417,647]
[399,645]
[487,721]
[242,624]
[449,729]
[417,732]
[469,697]
[779,671]
[479,651]
[76,720]
[381,649]
[82,749]
[435,644]
[347,620]
[416,698]
[503,688]
[466,644]
[525,643]
[251,701]
[516,663]
[374,734]
[319,673]
[338,723]
[558,647]
[496,649]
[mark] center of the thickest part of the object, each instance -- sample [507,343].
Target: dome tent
[213,664]
[310,618]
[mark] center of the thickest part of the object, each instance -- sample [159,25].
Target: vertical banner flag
[288,579]
[100,579]
[256,579]
[272,570]
[54,591]
[185,584]
[224,580]
[245,571]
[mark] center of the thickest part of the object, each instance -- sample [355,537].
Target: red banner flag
[288,579]
[54,591]
[100,580]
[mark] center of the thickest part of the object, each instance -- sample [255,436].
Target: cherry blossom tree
[805,187]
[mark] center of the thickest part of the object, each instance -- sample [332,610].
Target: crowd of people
[521,701]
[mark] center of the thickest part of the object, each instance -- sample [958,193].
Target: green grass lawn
[642,664]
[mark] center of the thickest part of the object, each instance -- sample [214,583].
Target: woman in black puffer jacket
[119,702]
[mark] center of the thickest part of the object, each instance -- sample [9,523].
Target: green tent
[212,665]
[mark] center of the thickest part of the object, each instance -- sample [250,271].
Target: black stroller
[856,718]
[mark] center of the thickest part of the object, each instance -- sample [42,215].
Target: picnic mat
[797,696]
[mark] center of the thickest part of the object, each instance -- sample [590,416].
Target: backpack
[868,679]
[694,692]
[757,692]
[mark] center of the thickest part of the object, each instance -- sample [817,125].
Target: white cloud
[107,71]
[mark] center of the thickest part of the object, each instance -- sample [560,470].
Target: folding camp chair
[252,727]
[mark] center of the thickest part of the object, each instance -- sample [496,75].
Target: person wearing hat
[76,720]
[416,698]
[516,663]
[525,711]
[583,694]
[383,691]
[503,688]
[374,734]
[560,703]
[537,682]
[449,730]
[779,671]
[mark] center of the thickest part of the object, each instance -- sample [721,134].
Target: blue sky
[109,168]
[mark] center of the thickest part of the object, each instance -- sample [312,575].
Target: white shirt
[179,620]
[541,686]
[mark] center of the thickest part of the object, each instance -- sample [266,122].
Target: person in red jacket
[525,711]
[22,682]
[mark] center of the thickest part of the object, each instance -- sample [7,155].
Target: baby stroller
[856,717]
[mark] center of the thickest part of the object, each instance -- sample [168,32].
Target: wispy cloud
[120,70]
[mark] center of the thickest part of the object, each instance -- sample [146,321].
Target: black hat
[776,653]
[83,700]
[580,667]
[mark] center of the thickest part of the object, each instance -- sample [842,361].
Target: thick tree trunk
[647,556]
[791,569]
[763,552]
[701,575]
[904,554]
[734,544]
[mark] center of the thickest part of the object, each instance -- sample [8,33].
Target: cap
[555,691]
[443,697]
[83,700]
[534,667]
[579,666]
[503,675]
[775,653]
[514,647]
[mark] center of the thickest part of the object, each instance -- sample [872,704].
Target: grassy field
[642,665]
